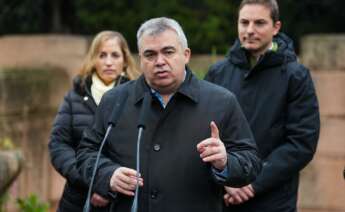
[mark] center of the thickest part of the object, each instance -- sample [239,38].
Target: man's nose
[250,28]
[160,59]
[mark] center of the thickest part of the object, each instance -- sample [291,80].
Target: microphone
[118,108]
[144,111]
[114,118]
[141,127]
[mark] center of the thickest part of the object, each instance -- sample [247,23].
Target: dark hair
[270,4]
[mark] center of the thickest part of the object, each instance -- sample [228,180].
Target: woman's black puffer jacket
[75,114]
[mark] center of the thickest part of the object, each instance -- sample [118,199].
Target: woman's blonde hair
[88,67]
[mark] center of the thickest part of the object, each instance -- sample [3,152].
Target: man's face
[256,28]
[163,60]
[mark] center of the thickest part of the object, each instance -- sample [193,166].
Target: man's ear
[187,53]
[277,25]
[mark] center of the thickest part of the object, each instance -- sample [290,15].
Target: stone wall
[28,104]
[322,187]
[43,51]
[323,51]
[39,72]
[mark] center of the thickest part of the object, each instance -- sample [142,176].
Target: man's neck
[167,93]
[258,54]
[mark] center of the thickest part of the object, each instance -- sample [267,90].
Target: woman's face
[109,61]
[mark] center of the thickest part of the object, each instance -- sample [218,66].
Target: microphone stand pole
[143,118]
[135,200]
[87,202]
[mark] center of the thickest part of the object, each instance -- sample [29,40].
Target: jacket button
[156,147]
[86,98]
[154,194]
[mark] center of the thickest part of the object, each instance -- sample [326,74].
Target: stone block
[332,134]
[59,51]
[10,166]
[330,87]
[323,51]
[322,186]
[56,182]
[28,90]
[30,133]
[28,104]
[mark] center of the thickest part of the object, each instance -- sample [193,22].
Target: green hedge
[209,24]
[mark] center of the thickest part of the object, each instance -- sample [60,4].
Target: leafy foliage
[3,199]
[32,204]
[6,144]
[209,25]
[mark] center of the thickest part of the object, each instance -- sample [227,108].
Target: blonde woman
[108,63]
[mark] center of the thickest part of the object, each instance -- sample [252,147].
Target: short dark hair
[270,4]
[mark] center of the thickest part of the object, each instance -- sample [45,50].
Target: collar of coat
[82,85]
[189,88]
[284,54]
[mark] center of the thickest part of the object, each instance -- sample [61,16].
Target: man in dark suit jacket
[196,138]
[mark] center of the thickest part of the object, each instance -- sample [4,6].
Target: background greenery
[210,25]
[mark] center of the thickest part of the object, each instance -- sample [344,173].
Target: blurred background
[42,44]
[207,22]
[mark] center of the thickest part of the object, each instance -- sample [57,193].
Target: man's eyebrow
[243,19]
[168,47]
[162,49]
[148,51]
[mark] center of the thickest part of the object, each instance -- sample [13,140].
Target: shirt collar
[159,96]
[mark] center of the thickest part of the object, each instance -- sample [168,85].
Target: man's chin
[252,48]
[165,88]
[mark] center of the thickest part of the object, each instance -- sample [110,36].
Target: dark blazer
[75,114]
[279,101]
[175,178]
